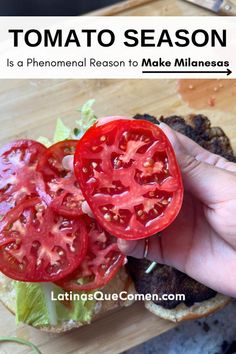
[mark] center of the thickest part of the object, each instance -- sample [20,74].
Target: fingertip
[125,246]
[173,137]
[67,162]
[170,133]
[165,127]
[134,248]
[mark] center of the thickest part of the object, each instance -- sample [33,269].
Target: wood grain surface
[29,108]
[153,8]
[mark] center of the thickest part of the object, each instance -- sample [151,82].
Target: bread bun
[183,312]
[121,282]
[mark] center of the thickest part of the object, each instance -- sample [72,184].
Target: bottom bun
[121,282]
[183,312]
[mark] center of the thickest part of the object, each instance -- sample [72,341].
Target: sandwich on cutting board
[60,224]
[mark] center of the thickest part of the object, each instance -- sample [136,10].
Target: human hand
[201,242]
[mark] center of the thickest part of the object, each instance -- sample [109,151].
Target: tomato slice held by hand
[103,260]
[38,245]
[18,178]
[128,173]
[61,185]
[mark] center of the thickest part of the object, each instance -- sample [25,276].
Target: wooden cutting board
[29,108]
[153,8]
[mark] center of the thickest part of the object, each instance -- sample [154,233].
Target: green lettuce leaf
[62,132]
[87,118]
[34,305]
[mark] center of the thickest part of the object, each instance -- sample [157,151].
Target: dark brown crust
[167,280]
[164,279]
[198,128]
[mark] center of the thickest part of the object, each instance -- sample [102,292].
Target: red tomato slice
[102,262]
[22,184]
[38,245]
[19,153]
[61,185]
[67,196]
[129,176]
[18,178]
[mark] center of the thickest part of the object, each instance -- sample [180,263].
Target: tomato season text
[106,38]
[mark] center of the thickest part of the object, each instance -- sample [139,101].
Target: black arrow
[228,72]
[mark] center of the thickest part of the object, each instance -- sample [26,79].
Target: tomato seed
[103,138]
[164,202]
[107,217]
[84,169]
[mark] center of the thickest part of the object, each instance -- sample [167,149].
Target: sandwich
[60,223]
[51,246]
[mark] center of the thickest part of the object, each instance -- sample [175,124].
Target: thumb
[203,179]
